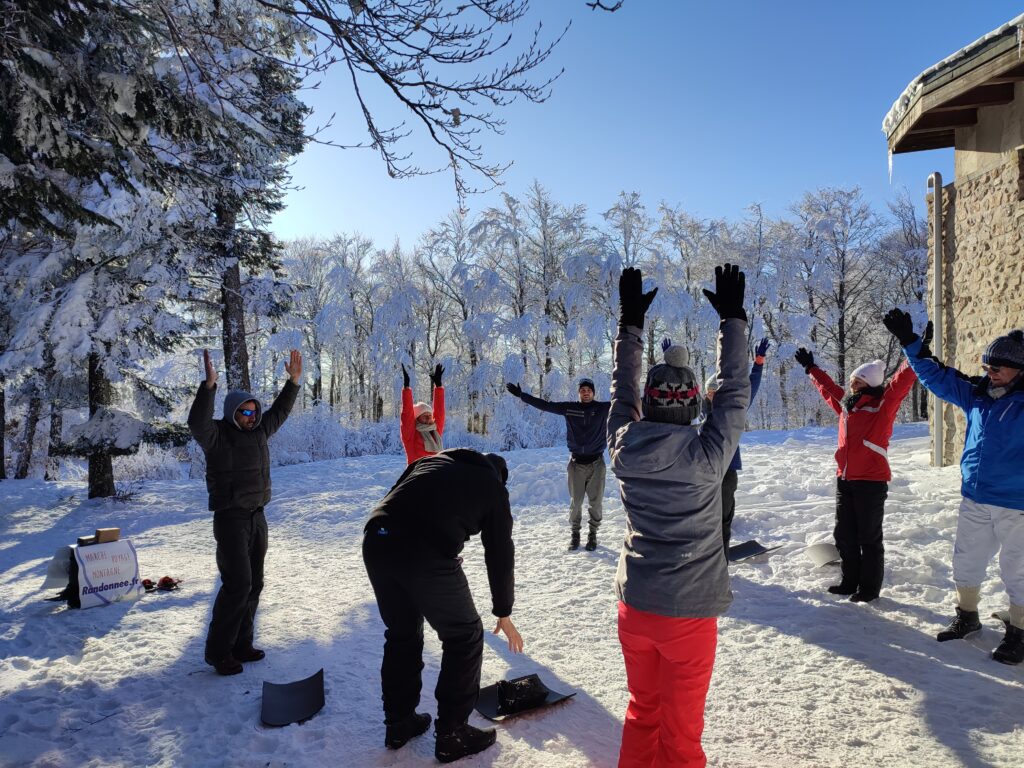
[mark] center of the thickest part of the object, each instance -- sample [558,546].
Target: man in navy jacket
[586,423]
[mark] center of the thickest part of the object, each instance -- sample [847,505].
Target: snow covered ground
[802,678]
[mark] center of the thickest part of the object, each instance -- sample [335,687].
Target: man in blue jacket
[991,515]
[731,480]
[585,424]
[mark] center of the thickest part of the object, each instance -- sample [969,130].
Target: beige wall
[988,144]
[983,292]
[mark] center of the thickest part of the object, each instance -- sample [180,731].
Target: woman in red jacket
[422,424]
[866,415]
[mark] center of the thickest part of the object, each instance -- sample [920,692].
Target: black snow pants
[860,505]
[241,549]
[729,483]
[411,582]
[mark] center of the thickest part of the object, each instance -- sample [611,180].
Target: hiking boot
[863,597]
[465,740]
[966,623]
[842,589]
[1011,650]
[397,734]
[574,542]
[591,541]
[249,654]
[229,665]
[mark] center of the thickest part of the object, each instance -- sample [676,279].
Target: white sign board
[108,572]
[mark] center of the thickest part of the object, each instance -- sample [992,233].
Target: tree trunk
[56,430]
[35,410]
[236,354]
[101,468]
[3,430]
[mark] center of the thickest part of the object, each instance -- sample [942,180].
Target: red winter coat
[864,434]
[412,440]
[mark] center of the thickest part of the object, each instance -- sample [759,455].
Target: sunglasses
[991,368]
[247,411]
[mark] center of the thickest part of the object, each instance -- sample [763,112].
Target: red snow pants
[668,670]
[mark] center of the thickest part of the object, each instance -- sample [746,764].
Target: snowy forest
[145,146]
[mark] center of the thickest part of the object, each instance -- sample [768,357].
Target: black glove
[405,376]
[929,333]
[514,389]
[435,377]
[633,302]
[900,325]
[728,296]
[804,358]
[762,347]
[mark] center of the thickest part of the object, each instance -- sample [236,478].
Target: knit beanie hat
[1006,350]
[420,408]
[586,381]
[872,374]
[672,393]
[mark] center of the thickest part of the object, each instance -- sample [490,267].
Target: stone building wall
[983,291]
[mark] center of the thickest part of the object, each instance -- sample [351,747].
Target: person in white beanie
[991,517]
[866,414]
[423,424]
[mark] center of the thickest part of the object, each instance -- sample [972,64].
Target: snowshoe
[465,740]
[966,623]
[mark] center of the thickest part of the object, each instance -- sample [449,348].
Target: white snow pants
[981,531]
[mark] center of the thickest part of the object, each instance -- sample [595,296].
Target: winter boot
[842,589]
[465,740]
[966,623]
[591,544]
[863,597]
[574,542]
[249,654]
[1011,650]
[397,734]
[229,665]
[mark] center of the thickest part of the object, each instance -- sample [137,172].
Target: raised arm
[946,383]
[830,392]
[898,388]
[627,352]
[285,400]
[721,432]
[437,398]
[200,415]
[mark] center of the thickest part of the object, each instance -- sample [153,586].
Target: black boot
[397,734]
[1011,650]
[249,654]
[842,589]
[229,665]
[574,542]
[966,623]
[465,740]
[863,597]
[591,541]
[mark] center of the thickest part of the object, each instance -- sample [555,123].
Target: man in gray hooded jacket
[238,481]
[672,580]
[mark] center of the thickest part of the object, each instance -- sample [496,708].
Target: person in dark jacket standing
[672,581]
[991,517]
[411,547]
[586,422]
[866,415]
[731,479]
[238,481]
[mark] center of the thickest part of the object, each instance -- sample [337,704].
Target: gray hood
[233,401]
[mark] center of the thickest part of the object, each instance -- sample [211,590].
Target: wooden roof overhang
[950,96]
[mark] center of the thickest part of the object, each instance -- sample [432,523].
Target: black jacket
[442,500]
[237,462]
[586,424]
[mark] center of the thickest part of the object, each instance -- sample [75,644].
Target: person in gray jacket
[586,426]
[238,481]
[672,580]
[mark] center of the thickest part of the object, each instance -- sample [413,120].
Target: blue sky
[711,106]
